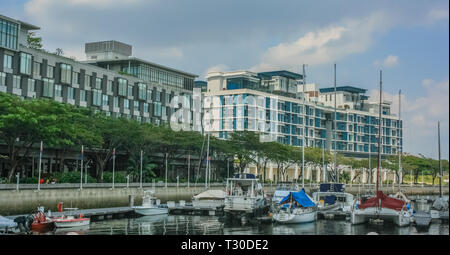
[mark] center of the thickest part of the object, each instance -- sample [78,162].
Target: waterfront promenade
[101,195]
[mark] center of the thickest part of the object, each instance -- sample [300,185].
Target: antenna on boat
[379,133]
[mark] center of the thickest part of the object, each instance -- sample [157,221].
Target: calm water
[209,225]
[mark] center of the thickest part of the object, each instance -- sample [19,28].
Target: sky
[407,40]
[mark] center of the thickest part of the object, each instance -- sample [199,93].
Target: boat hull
[42,226]
[70,223]
[294,218]
[150,210]
[400,218]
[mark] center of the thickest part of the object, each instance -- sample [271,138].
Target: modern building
[272,103]
[110,80]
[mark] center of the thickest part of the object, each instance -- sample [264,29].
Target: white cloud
[420,117]
[389,61]
[438,14]
[325,45]
[216,68]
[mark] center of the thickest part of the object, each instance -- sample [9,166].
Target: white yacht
[244,199]
[150,205]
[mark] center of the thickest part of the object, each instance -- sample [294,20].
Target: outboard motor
[24,223]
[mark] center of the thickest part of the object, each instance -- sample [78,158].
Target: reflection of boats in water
[175,224]
[80,230]
[295,229]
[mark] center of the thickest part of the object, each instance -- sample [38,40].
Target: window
[126,104]
[16,82]
[163,111]
[31,85]
[145,107]
[157,108]
[87,80]
[75,78]
[66,72]
[47,88]
[36,68]
[82,95]
[136,105]
[7,61]
[158,96]
[8,34]
[122,87]
[105,100]
[70,93]
[142,93]
[58,90]
[25,63]
[130,90]
[167,98]
[116,102]
[98,83]
[97,97]
[149,95]
[109,86]
[2,79]
[50,71]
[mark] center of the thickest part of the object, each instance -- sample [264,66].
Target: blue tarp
[300,197]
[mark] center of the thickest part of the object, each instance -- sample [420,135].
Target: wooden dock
[94,214]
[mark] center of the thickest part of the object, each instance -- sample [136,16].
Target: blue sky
[408,40]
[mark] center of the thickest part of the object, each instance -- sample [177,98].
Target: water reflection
[209,225]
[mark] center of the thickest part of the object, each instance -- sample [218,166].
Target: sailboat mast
[335,127]
[399,143]
[304,131]
[207,164]
[379,133]
[440,163]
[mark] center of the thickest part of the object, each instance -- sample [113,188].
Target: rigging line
[200,161]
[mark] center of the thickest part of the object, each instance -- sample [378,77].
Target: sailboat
[332,196]
[440,205]
[297,207]
[380,206]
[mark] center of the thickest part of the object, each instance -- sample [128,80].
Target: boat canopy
[300,197]
[211,194]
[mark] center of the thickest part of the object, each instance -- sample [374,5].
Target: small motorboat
[70,220]
[150,205]
[42,223]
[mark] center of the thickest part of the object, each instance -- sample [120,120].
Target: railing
[29,186]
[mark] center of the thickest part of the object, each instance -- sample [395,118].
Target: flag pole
[40,160]
[114,165]
[141,172]
[81,172]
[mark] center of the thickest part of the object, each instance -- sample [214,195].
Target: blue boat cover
[300,197]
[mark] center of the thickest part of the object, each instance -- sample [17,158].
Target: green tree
[34,41]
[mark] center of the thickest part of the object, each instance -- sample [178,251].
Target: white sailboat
[381,206]
[297,207]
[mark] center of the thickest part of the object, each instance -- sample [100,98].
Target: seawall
[23,201]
